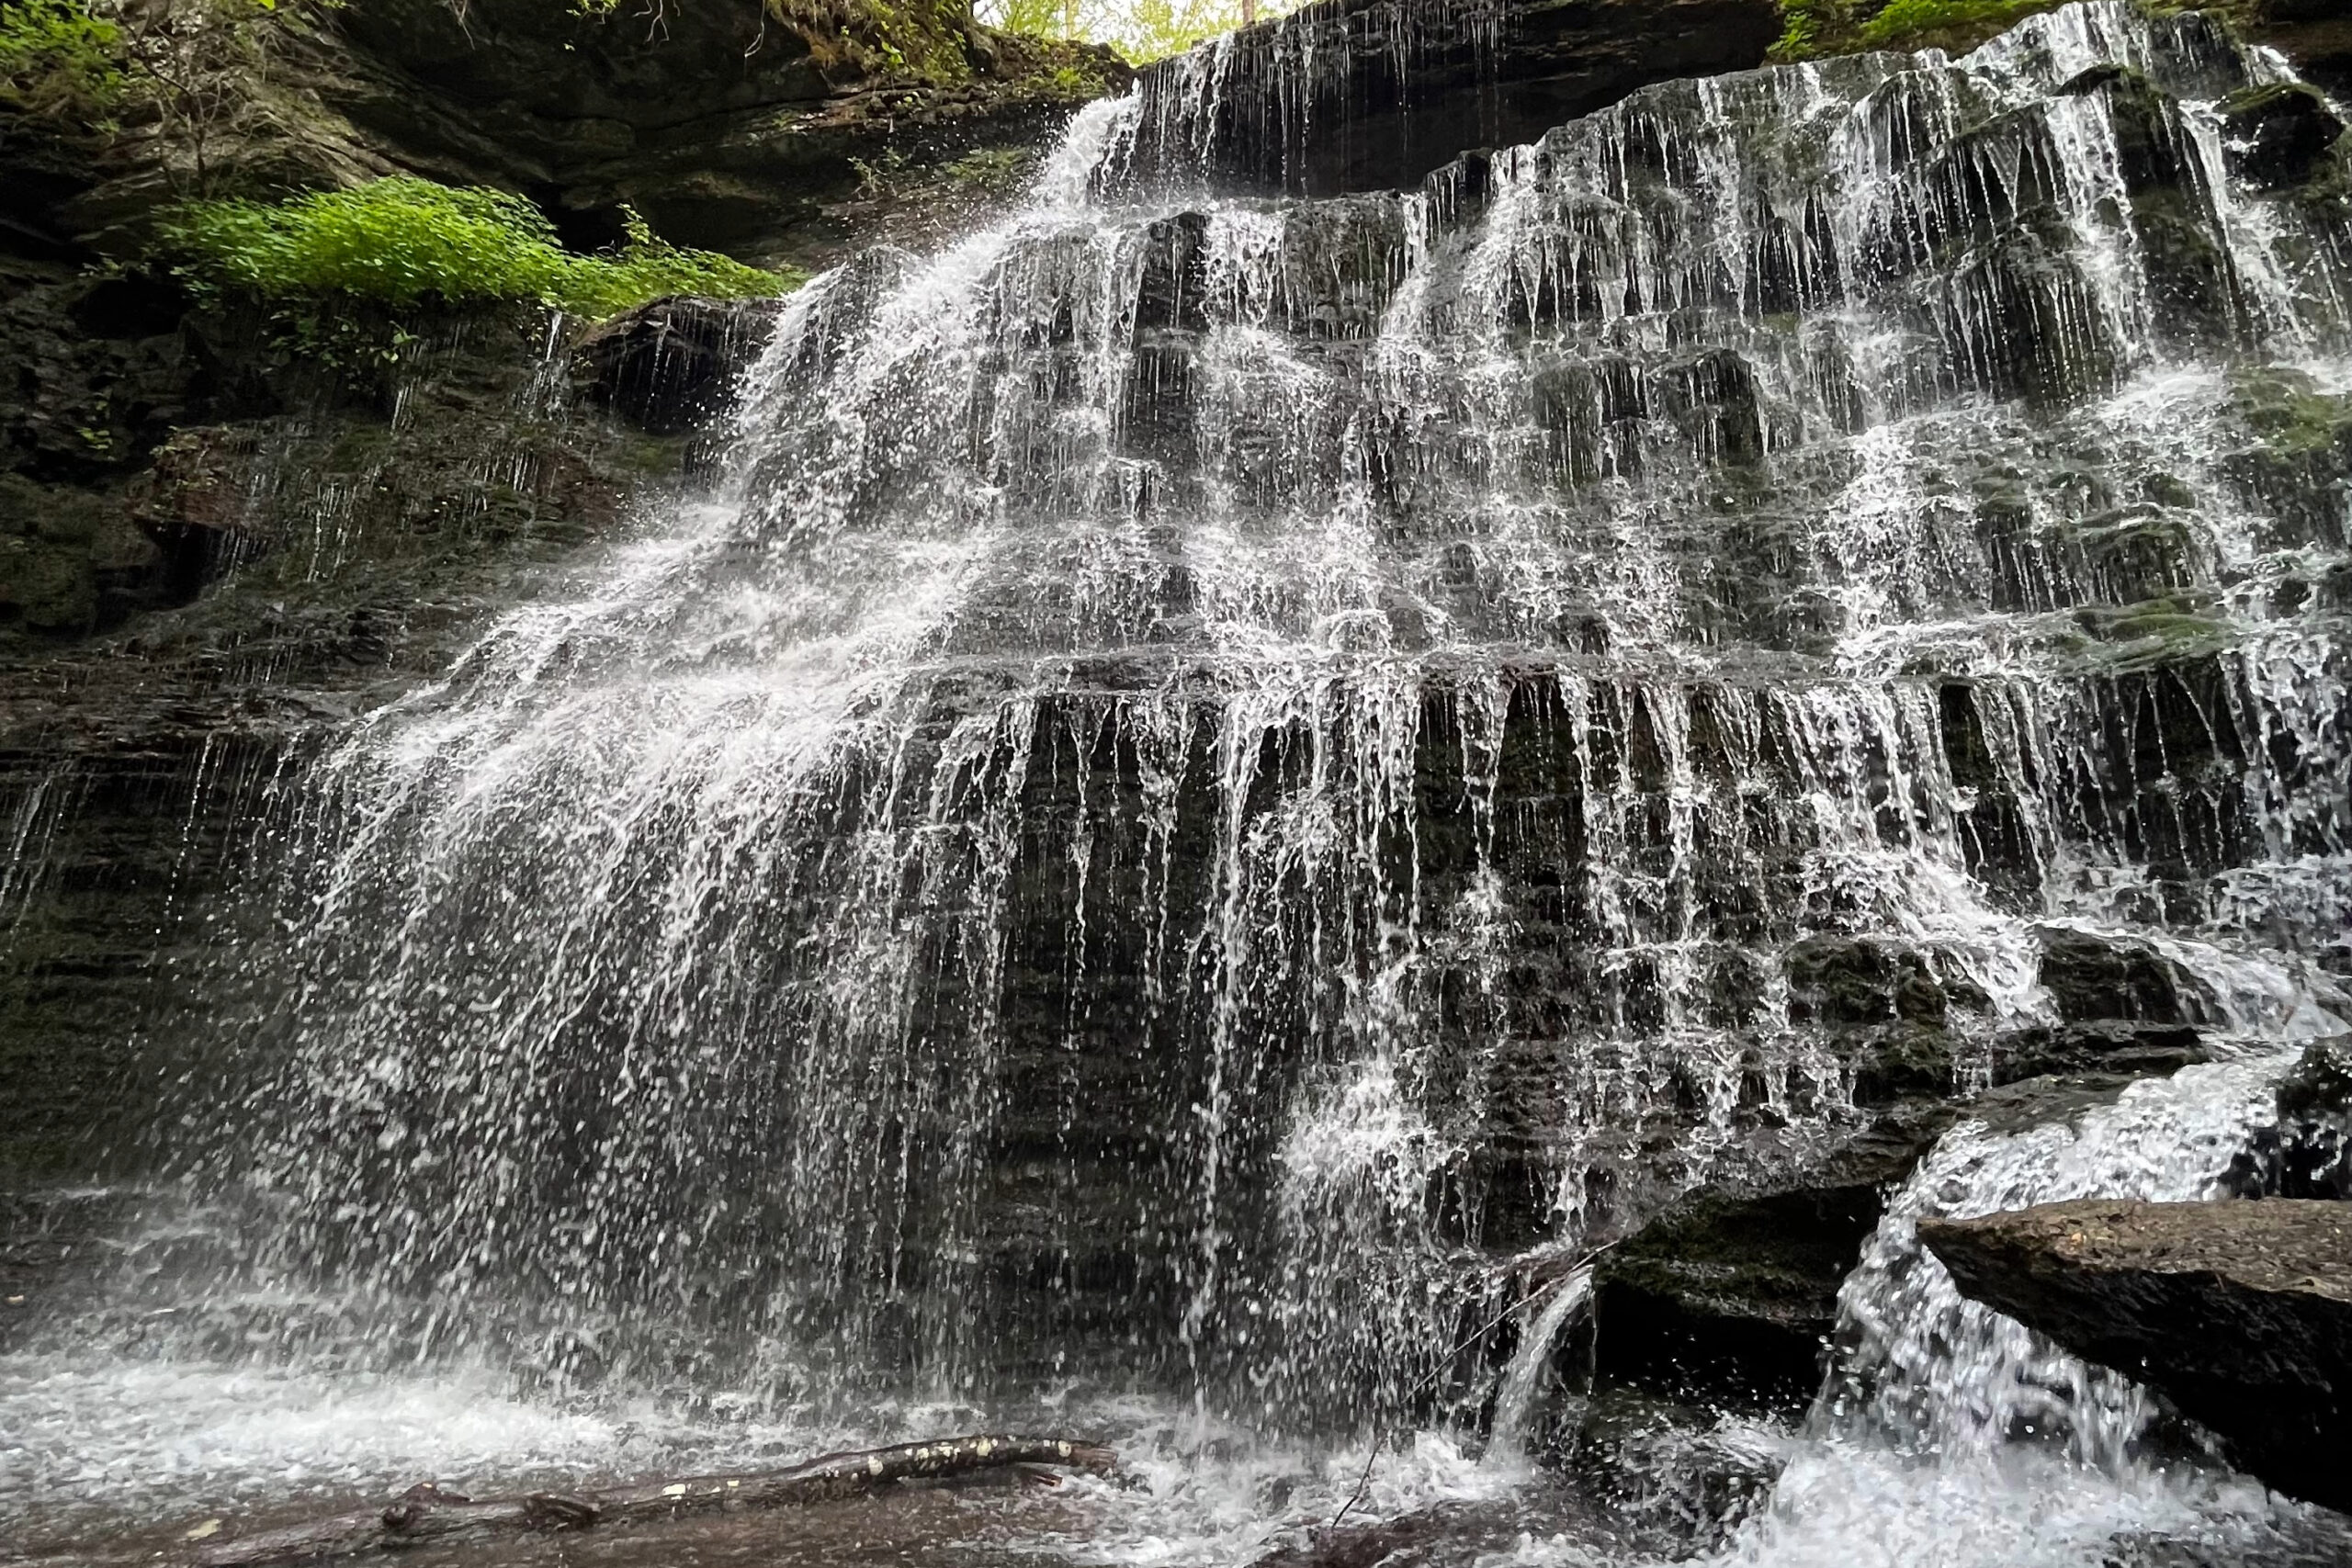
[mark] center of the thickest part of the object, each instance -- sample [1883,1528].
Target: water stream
[1218,768]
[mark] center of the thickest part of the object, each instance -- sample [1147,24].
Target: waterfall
[1216,765]
[1515,1395]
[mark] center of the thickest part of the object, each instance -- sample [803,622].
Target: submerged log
[430,1513]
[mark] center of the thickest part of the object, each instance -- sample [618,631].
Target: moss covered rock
[2277,135]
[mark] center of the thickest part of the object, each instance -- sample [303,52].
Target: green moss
[403,240]
[1071,81]
[2285,408]
[1814,29]
[2165,625]
[2155,632]
[1916,24]
[2268,98]
[909,40]
[1909,1058]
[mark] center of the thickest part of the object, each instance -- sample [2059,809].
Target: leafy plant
[57,54]
[403,240]
[875,176]
[1800,33]
[997,169]
[191,61]
[1140,30]
[1904,20]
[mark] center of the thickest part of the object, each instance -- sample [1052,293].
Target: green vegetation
[56,54]
[912,40]
[1908,23]
[188,64]
[991,171]
[403,240]
[1818,27]
[2153,632]
[1139,31]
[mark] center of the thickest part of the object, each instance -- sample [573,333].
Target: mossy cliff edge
[344,181]
[2317,33]
[283,412]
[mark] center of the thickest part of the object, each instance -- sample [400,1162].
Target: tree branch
[429,1513]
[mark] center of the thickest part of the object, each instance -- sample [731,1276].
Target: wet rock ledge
[2240,1311]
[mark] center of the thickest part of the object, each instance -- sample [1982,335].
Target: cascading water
[1219,768]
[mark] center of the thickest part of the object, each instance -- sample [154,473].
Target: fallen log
[426,1512]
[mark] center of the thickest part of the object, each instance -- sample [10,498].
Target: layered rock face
[749,128]
[780,133]
[298,544]
[223,531]
[1360,94]
[2241,1312]
[1222,770]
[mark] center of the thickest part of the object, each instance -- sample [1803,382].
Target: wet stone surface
[1215,791]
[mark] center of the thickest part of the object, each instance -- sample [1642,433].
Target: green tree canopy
[1140,29]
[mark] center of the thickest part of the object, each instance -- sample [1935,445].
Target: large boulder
[2240,1311]
[1729,1295]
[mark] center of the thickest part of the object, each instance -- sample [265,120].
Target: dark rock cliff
[225,549]
[1364,95]
[779,135]
[214,538]
[1361,94]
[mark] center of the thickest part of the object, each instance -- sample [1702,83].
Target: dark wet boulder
[2093,977]
[2097,1047]
[1839,981]
[2277,135]
[2308,1152]
[674,364]
[195,503]
[1729,1295]
[1889,1004]
[2240,1311]
[2296,454]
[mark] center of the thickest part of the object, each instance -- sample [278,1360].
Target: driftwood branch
[430,1513]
